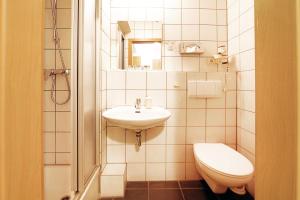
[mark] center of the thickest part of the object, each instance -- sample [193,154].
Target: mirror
[138,45]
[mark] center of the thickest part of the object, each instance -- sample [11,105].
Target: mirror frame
[138,40]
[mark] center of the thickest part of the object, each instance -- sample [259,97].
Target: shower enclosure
[77,74]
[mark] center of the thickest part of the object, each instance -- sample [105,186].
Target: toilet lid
[223,159]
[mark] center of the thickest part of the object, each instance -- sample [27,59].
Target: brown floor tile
[140,194]
[193,184]
[163,185]
[198,194]
[137,184]
[165,194]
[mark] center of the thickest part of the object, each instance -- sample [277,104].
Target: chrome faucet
[138,105]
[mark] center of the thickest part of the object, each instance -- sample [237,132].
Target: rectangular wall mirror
[138,45]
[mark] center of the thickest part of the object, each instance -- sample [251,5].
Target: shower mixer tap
[59,71]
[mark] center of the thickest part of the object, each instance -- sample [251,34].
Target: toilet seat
[223,160]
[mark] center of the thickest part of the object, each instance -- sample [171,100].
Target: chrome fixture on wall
[64,71]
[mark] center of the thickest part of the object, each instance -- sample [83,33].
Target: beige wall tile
[155,171]
[175,171]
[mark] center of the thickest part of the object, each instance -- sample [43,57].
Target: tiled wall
[104,64]
[166,151]
[57,129]
[183,20]
[57,118]
[242,50]
[241,41]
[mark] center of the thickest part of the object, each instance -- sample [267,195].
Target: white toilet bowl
[222,167]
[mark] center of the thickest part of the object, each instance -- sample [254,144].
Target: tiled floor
[174,190]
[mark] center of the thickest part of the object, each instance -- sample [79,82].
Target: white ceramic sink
[126,117]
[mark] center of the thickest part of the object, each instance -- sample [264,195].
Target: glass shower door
[87,91]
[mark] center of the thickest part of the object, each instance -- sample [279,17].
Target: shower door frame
[74,94]
[78,183]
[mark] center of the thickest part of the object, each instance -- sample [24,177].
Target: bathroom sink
[127,117]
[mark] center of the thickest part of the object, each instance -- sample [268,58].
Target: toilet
[222,167]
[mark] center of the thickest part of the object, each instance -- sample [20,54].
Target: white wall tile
[189,153]
[195,135]
[137,14]
[115,153]
[211,4]
[247,40]
[190,16]
[196,117]
[155,14]
[115,80]
[48,103]
[119,3]
[63,158]
[191,64]
[176,80]
[176,135]
[63,121]
[49,158]
[63,142]
[231,135]
[215,134]
[216,102]
[175,153]
[136,80]
[172,16]
[215,117]
[176,99]
[222,33]
[115,135]
[190,4]
[61,96]
[208,32]
[230,117]
[132,95]
[172,3]
[155,153]
[172,32]
[240,28]
[231,99]
[221,17]
[49,142]
[115,98]
[173,63]
[135,155]
[155,171]
[119,14]
[58,188]
[156,135]
[247,20]
[136,172]
[175,171]
[208,16]
[158,97]
[178,117]
[156,80]
[210,49]
[245,5]
[221,4]
[191,172]
[190,32]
